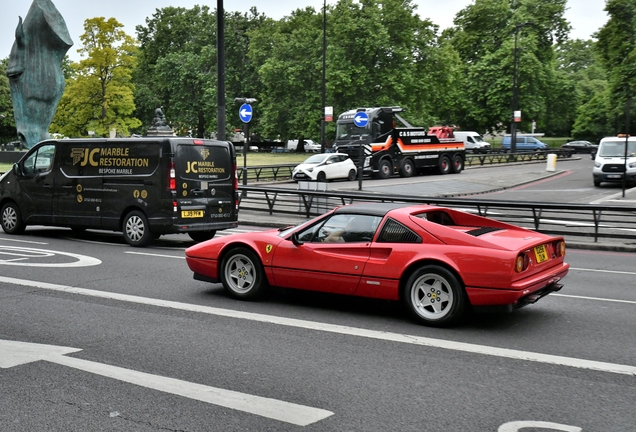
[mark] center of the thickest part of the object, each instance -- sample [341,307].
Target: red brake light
[559,248]
[197,142]
[172,179]
[522,262]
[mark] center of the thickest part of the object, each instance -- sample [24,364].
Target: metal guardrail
[264,173]
[576,220]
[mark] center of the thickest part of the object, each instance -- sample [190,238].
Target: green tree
[617,50]
[379,53]
[8,132]
[99,95]
[177,66]
[485,36]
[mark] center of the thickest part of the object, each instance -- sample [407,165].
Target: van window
[617,149]
[39,161]
[198,162]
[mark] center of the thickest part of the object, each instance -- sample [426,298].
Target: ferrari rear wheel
[242,274]
[434,296]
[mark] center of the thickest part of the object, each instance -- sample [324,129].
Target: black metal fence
[268,173]
[577,220]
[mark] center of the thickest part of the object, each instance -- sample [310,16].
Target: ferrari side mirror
[294,239]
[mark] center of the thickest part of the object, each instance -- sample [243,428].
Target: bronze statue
[35,74]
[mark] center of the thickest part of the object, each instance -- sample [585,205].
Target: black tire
[597,183]
[408,168]
[352,175]
[444,165]
[12,222]
[458,164]
[434,296]
[242,274]
[136,229]
[322,177]
[200,236]
[386,169]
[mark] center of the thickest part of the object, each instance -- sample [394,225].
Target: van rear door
[205,184]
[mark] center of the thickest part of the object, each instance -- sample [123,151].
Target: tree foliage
[8,131]
[177,66]
[488,35]
[99,95]
[617,50]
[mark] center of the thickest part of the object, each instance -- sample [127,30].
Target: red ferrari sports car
[438,261]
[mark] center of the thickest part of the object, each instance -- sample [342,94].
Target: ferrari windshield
[617,149]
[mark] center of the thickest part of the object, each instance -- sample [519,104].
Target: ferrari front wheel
[434,296]
[242,274]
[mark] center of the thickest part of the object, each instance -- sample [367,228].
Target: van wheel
[458,164]
[444,165]
[12,219]
[136,230]
[200,236]
[597,183]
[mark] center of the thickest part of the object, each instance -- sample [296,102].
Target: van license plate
[614,176]
[191,214]
[541,253]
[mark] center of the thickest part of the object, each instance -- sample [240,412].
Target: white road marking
[603,271]
[155,255]
[594,298]
[518,425]
[14,353]
[345,330]
[34,254]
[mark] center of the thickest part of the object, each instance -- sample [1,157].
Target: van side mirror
[295,240]
[16,169]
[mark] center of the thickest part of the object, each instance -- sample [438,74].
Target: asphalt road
[148,348]
[330,363]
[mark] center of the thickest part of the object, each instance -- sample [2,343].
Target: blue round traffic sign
[361,119]
[245,113]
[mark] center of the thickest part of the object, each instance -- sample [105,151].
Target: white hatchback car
[326,166]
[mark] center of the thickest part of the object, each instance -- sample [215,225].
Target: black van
[144,187]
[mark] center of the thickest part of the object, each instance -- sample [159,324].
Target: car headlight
[597,164]
[632,165]
[310,170]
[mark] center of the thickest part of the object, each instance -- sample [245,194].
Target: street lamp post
[220,70]
[324,75]
[515,89]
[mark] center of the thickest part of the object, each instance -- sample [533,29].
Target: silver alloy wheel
[240,274]
[432,296]
[9,218]
[135,228]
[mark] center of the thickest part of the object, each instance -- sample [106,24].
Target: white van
[472,141]
[610,162]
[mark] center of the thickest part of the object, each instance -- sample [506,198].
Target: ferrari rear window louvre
[395,232]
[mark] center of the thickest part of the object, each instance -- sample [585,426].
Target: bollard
[551,164]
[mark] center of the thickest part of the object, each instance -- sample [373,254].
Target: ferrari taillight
[522,262]
[559,248]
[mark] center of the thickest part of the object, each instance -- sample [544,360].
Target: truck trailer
[389,145]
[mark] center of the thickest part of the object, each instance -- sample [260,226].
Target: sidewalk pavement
[474,180]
